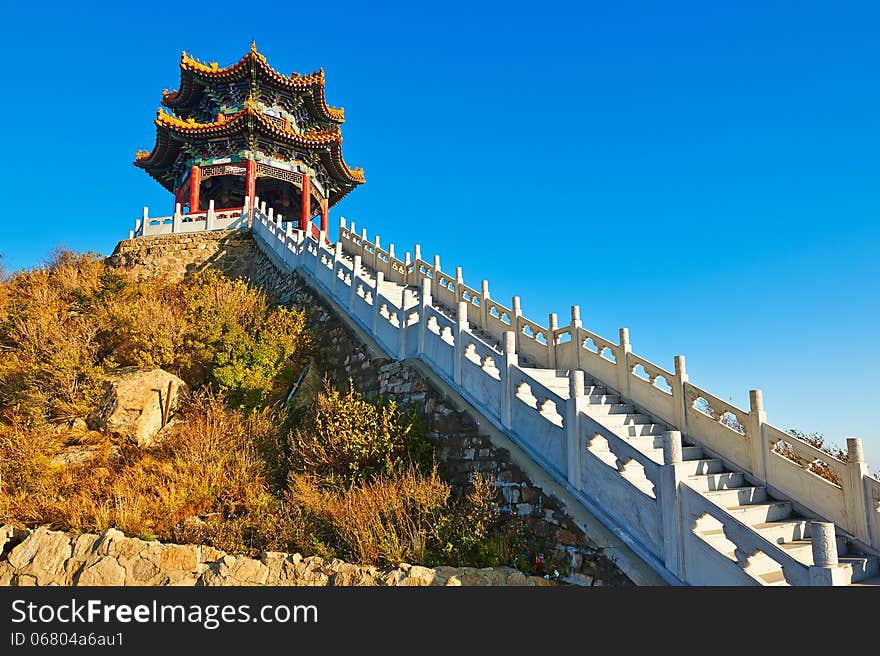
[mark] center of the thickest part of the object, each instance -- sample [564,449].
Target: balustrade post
[424,304]
[377,263]
[669,500]
[380,278]
[403,327]
[211,220]
[574,328]
[355,273]
[551,340]
[459,281]
[510,360]
[176,219]
[857,504]
[755,438]
[575,404]
[461,327]
[515,326]
[337,258]
[623,369]
[484,305]
[144,218]
[678,396]
[417,256]
[826,570]
[246,211]
[389,266]
[435,282]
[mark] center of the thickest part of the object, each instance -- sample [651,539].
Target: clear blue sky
[706,175]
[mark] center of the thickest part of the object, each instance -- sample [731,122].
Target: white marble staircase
[689,503]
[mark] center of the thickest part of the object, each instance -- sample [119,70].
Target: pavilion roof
[196,75]
[172,133]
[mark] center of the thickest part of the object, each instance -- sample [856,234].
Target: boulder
[79,455]
[134,404]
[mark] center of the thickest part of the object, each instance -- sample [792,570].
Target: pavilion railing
[232,218]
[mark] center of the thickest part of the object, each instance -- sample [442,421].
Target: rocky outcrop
[44,557]
[136,402]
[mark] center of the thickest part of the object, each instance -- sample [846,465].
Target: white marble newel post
[678,396]
[424,304]
[515,326]
[671,475]
[857,505]
[575,328]
[177,219]
[826,570]
[484,306]
[355,274]
[551,339]
[757,443]
[404,326]
[510,361]
[461,328]
[380,278]
[576,404]
[622,357]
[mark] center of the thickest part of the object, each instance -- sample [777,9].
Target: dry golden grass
[348,477]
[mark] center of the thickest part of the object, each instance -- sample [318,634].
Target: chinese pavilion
[247,131]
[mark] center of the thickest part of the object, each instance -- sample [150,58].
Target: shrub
[345,439]
[65,324]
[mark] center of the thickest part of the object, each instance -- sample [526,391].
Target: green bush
[345,439]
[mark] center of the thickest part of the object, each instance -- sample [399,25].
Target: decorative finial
[254,45]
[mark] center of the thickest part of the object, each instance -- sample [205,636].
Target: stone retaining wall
[44,557]
[230,251]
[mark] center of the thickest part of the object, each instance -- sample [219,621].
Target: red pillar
[250,181]
[306,202]
[195,186]
[325,217]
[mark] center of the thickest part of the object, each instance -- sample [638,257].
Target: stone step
[760,564]
[688,453]
[612,409]
[618,419]
[761,512]
[639,430]
[723,481]
[863,567]
[780,532]
[773,579]
[602,398]
[802,550]
[740,496]
[700,467]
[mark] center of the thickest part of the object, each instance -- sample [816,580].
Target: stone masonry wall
[461,446]
[230,251]
[44,557]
